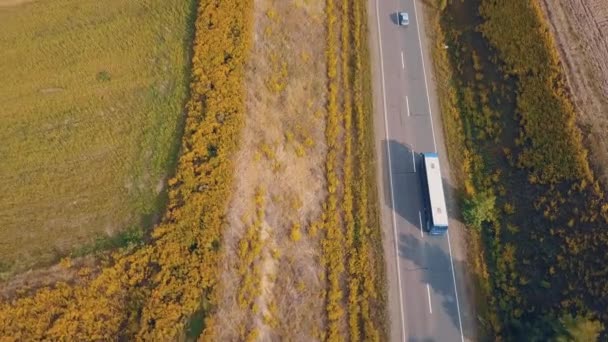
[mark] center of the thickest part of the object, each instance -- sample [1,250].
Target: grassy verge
[368,231]
[151,292]
[91,112]
[283,151]
[333,252]
[355,274]
[347,202]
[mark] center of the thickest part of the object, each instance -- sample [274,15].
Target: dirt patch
[282,152]
[580,28]
[71,272]
[51,90]
[10,3]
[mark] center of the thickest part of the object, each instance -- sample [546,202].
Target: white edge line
[420,218]
[428,101]
[455,290]
[390,171]
[407,105]
[402,61]
[414,160]
[428,292]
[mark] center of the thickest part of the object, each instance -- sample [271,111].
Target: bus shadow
[405,198]
[435,267]
[428,254]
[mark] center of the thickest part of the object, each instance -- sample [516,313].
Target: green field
[91,96]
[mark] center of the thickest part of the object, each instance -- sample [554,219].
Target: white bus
[436,214]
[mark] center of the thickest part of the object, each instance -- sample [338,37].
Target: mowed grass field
[91,100]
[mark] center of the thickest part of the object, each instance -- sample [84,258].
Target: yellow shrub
[296,234]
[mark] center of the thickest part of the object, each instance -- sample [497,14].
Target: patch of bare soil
[283,152]
[11,3]
[580,28]
[70,272]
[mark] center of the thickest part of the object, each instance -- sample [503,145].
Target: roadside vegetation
[271,229]
[89,132]
[309,265]
[150,292]
[536,213]
[352,249]
[271,278]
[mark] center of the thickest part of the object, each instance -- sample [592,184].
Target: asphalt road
[427,299]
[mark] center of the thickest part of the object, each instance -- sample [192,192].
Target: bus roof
[436,196]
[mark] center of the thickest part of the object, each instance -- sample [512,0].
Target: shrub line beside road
[355,274]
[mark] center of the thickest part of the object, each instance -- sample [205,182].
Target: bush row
[333,242]
[367,261]
[351,246]
[347,201]
[249,254]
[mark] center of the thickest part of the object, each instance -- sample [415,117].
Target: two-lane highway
[424,299]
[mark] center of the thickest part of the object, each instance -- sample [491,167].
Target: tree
[478,209]
[578,329]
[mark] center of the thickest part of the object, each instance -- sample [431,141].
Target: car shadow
[394,17]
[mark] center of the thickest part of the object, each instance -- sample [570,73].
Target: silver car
[404,19]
